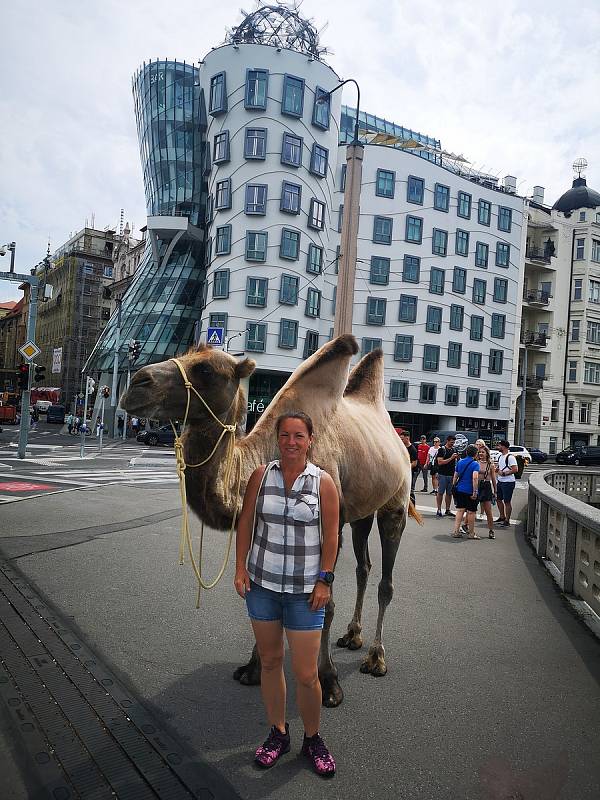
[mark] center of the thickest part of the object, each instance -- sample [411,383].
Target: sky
[512,86]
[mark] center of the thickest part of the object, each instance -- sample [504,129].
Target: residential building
[13,328]
[127,255]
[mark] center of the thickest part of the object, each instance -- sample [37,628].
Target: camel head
[158,391]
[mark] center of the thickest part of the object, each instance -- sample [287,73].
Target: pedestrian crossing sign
[215,337]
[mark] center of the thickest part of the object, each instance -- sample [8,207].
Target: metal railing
[534,339]
[538,254]
[563,523]
[533,381]
[537,296]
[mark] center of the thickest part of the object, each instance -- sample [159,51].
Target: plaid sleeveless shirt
[286,549]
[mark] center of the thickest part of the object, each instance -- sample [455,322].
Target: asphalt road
[492,686]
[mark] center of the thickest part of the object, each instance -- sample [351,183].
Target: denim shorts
[292,610]
[444,483]
[504,490]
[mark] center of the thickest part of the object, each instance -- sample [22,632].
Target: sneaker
[438,513]
[449,514]
[491,535]
[499,520]
[274,746]
[464,528]
[433,491]
[505,523]
[314,748]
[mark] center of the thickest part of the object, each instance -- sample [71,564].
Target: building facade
[13,329]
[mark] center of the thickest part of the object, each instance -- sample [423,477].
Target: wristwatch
[326,577]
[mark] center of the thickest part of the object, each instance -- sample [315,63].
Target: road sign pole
[26,395]
[84,426]
[101,424]
[124,412]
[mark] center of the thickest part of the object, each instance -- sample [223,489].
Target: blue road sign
[215,336]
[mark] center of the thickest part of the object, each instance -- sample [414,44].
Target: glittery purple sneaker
[274,746]
[315,750]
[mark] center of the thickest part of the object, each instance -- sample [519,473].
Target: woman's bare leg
[304,648]
[269,641]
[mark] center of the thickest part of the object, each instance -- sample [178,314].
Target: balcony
[539,254]
[536,297]
[534,382]
[534,339]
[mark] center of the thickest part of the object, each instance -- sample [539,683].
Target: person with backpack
[465,488]
[446,459]
[505,481]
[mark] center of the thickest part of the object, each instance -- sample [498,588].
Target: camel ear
[245,368]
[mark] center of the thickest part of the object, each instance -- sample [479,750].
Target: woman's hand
[319,596]
[241,581]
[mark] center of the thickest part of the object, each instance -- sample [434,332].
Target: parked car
[55,414]
[162,435]
[579,455]
[538,456]
[43,405]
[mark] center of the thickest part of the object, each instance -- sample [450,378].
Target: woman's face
[482,454]
[436,442]
[293,439]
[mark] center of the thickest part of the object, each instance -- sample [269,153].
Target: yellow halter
[230,458]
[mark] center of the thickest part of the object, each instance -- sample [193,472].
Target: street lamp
[12,246]
[231,338]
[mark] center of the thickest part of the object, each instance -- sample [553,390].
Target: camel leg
[249,674]
[332,691]
[391,527]
[360,541]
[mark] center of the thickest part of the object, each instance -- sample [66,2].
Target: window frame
[264,234]
[224,291]
[472,397]
[416,266]
[298,145]
[213,109]
[380,277]
[256,106]
[287,78]
[437,249]
[398,391]
[410,220]
[412,305]
[415,181]
[455,363]
[305,353]
[496,395]
[375,317]
[316,221]
[313,160]
[293,324]
[402,340]
[436,288]
[428,320]
[292,280]
[377,235]
[497,318]
[320,92]
[292,191]
[308,308]
[258,326]
[247,154]
[462,195]
[222,159]
[447,400]
[428,393]
[260,282]
[431,357]
[500,282]
[464,236]
[455,287]
[455,308]
[289,235]
[500,248]
[476,296]
[256,212]
[437,207]
[380,191]
[502,215]
[311,249]
[472,331]
[495,356]
[223,188]
[487,206]
[220,251]
[482,247]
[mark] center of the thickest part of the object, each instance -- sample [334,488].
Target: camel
[354,442]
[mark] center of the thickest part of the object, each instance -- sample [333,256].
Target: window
[584,413]
[411,269]
[256,198]
[403,348]
[414,230]
[472,398]
[462,243]
[441,197]
[591,372]
[553,445]
[431,357]
[582,216]
[292,101]
[457,317]
[500,290]
[433,323]
[484,212]
[492,400]
[479,291]
[343,178]
[415,189]
[223,240]
[398,390]
[321,109]
[314,261]
[340,217]
[464,205]
[385,183]
[288,290]
[221,147]
[572,370]
[209,209]
[504,219]
[594,292]
[256,292]
[223,194]
[380,270]
[311,343]
[218,95]
[288,333]
[334,299]
[318,160]
[452,395]
[593,332]
[428,392]
[437,278]
[255,143]
[496,362]
[554,411]
[459,280]
[291,150]
[382,230]
[221,284]
[316,214]
[408,308]
[454,354]
[107,272]
[313,302]
[439,242]
[208,251]
[578,289]
[579,248]
[291,194]
[474,368]
[376,310]
[218,320]
[256,337]
[575,330]
[257,81]
[476,328]
[498,326]
[368,345]
[290,244]
[256,246]
[595,256]
[502,254]
[570,410]
[481,254]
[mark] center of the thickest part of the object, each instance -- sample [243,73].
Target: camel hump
[366,379]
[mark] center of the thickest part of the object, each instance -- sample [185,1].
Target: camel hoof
[374,663]
[351,640]
[332,692]
[248,674]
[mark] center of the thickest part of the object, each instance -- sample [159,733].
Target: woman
[487,484]
[465,485]
[286,548]
[433,470]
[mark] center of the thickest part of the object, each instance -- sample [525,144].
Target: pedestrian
[69,420]
[433,467]
[286,548]
[135,425]
[414,462]
[76,424]
[120,425]
[423,462]
[446,459]
[465,483]
[487,483]
[507,468]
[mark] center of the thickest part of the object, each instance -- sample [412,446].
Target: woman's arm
[493,474]
[330,520]
[244,532]
[475,477]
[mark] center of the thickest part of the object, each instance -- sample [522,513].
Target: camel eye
[203,369]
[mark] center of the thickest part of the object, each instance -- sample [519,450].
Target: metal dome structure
[278,26]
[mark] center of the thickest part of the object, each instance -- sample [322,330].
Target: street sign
[30,350]
[215,336]
[56,360]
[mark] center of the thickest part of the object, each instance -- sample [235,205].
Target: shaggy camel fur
[354,442]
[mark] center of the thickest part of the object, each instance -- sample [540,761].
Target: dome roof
[580,196]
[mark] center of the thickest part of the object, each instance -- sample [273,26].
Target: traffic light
[23,376]
[39,374]
[91,385]
[135,349]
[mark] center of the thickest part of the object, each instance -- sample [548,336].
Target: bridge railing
[564,527]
